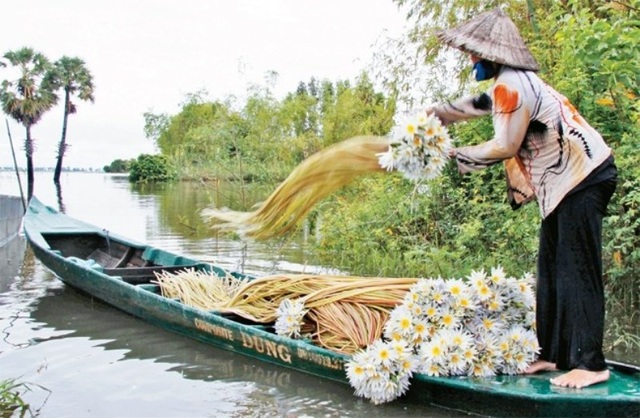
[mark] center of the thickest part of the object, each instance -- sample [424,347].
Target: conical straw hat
[491,36]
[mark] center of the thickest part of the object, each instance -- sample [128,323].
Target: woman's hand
[439,114]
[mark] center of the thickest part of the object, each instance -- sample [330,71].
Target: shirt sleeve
[465,108]
[510,123]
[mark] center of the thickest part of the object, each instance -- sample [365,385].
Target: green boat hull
[496,396]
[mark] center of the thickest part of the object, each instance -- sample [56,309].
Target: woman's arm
[462,109]
[510,123]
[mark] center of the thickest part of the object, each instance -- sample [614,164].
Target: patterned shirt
[546,146]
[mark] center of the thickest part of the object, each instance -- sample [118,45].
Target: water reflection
[11,257]
[61,207]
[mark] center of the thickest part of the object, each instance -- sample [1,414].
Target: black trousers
[570,295]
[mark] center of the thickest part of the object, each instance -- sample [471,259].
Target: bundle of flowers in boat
[392,327]
[480,327]
[417,147]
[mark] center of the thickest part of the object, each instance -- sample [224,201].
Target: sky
[147,55]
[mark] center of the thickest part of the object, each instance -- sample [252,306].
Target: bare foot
[578,378]
[540,366]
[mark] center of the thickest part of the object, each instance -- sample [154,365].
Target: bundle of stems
[347,327]
[314,179]
[345,313]
[256,300]
[350,316]
[198,288]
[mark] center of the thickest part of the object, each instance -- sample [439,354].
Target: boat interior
[136,265]
[132,264]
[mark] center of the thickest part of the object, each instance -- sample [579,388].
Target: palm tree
[28,97]
[71,75]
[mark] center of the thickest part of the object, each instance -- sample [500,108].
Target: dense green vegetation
[118,166]
[263,139]
[382,225]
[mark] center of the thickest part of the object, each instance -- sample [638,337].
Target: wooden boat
[120,272]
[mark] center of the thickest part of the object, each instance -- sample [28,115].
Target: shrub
[151,168]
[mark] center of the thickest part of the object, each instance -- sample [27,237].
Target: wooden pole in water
[15,165]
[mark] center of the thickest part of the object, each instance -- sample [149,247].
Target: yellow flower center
[485,291]
[405,323]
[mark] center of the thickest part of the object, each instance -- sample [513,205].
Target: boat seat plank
[103,258]
[153,288]
[125,257]
[141,275]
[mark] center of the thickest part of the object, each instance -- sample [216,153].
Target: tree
[70,74]
[151,168]
[27,97]
[118,166]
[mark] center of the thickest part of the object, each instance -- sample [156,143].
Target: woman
[553,155]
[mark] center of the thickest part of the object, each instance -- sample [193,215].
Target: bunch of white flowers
[382,371]
[479,327]
[418,148]
[289,319]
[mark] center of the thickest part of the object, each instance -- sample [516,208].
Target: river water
[81,358]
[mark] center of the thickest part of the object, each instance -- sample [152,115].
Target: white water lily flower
[400,322]
[422,287]
[483,293]
[449,320]
[421,330]
[463,305]
[456,287]
[387,160]
[383,354]
[432,312]
[497,275]
[401,349]
[478,278]
[457,364]
[434,351]
[290,316]
[355,373]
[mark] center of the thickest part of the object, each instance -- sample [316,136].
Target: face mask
[484,70]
